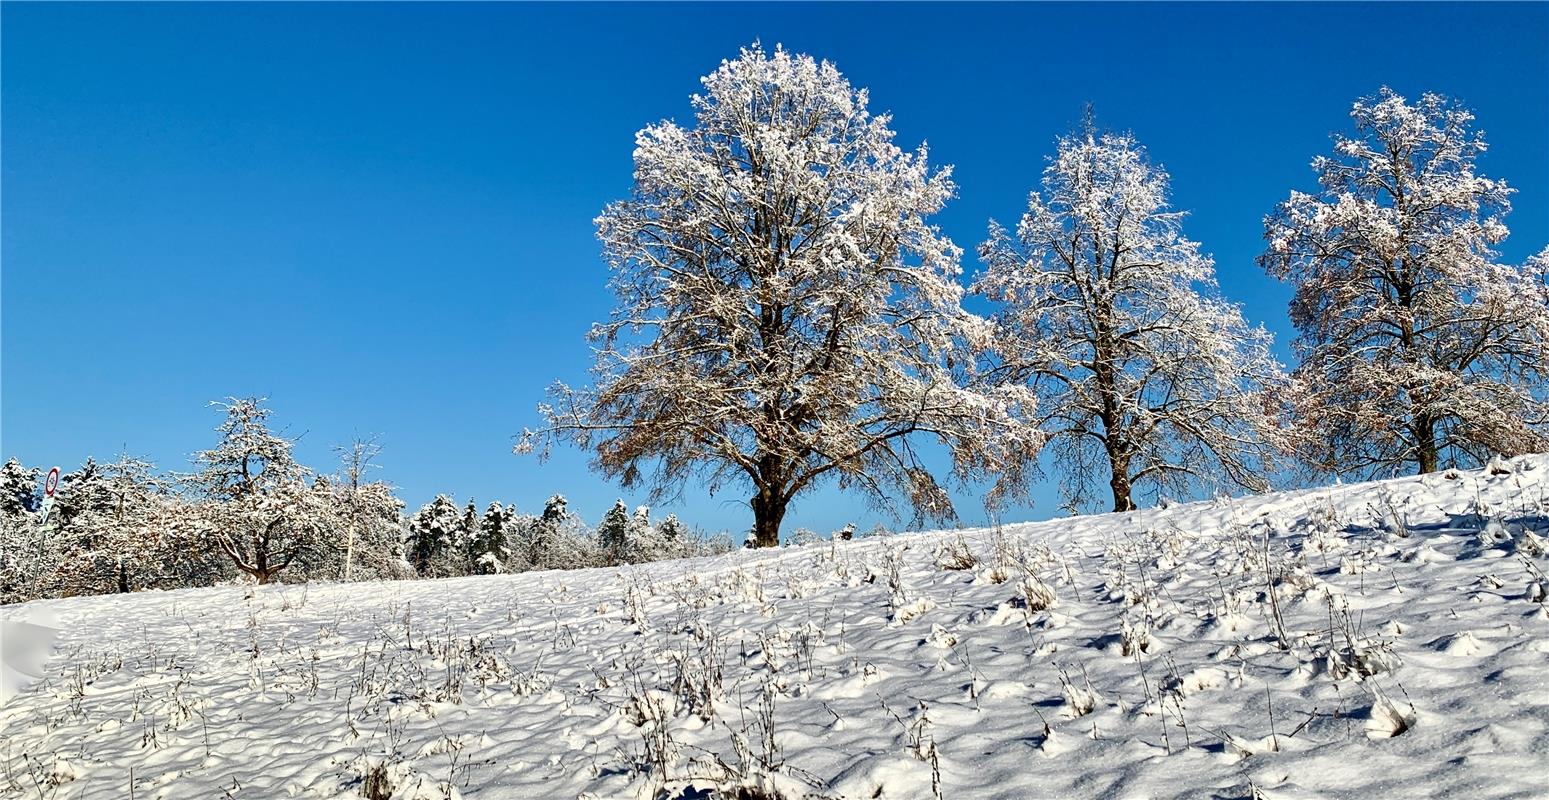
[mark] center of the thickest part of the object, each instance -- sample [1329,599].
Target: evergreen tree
[673,534]
[433,536]
[18,489]
[110,526]
[489,552]
[613,533]
[80,491]
[555,539]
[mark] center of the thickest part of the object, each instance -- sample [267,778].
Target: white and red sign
[52,483]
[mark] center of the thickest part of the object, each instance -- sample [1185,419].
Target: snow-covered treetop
[250,458]
[1401,193]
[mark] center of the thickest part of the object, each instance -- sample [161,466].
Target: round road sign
[52,483]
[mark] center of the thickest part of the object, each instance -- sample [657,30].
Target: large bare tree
[1418,349]
[1145,377]
[786,315]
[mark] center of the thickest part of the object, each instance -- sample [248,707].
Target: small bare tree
[356,499]
[786,316]
[260,509]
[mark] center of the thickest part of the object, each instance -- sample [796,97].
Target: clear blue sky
[379,216]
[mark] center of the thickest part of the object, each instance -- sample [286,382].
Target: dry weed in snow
[1369,640]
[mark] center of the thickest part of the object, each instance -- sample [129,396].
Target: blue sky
[379,216]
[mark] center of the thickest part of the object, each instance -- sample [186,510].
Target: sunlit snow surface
[1415,665]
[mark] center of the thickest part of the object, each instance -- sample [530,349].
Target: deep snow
[1414,661]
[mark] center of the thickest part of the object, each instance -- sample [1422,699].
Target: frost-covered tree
[176,527]
[371,515]
[112,523]
[672,530]
[468,539]
[379,539]
[260,509]
[1416,347]
[79,492]
[1145,378]
[28,559]
[804,536]
[787,315]
[556,539]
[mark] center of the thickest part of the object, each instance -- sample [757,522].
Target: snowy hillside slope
[1375,640]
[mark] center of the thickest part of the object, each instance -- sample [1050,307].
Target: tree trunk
[1427,453]
[349,549]
[260,561]
[768,511]
[1121,488]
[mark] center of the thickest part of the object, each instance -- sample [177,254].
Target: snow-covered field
[1375,640]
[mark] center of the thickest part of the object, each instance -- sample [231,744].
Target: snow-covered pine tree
[468,533]
[27,560]
[673,537]
[786,315]
[564,541]
[1146,379]
[489,547]
[433,537]
[642,541]
[18,489]
[613,533]
[80,491]
[1416,347]
[260,509]
[81,531]
[533,539]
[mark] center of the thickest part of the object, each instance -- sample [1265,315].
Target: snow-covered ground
[1121,655]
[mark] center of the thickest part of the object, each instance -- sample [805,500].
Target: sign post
[50,486]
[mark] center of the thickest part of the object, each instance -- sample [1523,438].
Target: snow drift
[1380,639]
